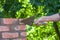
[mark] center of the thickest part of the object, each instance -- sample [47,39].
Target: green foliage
[50,6]
[44,32]
[27,8]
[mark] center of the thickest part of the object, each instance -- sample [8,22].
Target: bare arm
[54,17]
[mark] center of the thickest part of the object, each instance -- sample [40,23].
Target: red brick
[8,20]
[23,34]
[4,28]
[24,39]
[21,23]
[20,27]
[20,19]
[4,39]
[17,39]
[9,35]
[20,39]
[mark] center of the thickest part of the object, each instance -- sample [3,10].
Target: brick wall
[12,29]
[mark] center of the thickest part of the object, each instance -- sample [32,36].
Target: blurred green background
[28,8]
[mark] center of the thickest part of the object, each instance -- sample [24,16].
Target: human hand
[44,19]
[41,21]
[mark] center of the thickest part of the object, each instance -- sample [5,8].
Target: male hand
[42,20]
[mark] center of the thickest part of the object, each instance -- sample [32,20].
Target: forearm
[54,17]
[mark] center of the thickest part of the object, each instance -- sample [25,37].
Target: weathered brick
[24,39]
[20,27]
[23,34]
[8,20]
[17,39]
[4,28]
[9,35]
[20,39]
[14,31]
[4,39]
[20,20]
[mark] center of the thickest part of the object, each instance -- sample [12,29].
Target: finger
[41,23]
[36,22]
